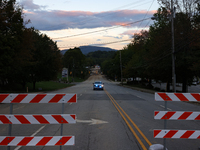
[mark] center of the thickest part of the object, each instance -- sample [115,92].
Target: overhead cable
[101,29]
[87,44]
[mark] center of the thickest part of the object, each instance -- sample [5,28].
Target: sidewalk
[191,89]
[134,88]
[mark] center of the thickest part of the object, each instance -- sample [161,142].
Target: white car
[98,85]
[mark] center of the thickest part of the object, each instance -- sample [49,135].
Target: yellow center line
[116,104]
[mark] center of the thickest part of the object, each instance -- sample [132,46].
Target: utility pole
[173,52]
[73,71]
[121,67]
[173,64]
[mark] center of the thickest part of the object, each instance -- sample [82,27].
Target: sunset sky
[74,23]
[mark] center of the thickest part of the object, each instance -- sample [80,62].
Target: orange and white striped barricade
[177,134]
[38,98]
[194,97]
[36,141]
[176,115]
[37,119]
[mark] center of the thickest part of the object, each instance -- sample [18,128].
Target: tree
[74,60]
[11,32]
[26,54]
[195,44]
[149,54]
[46,63]
[159,48]
[24,58]
[99,56]
[185,24]
[183,6]
[137,51]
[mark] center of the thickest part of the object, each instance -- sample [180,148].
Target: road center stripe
[118,107]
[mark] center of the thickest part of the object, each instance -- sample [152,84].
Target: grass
[43,86]
[76,79]
[47,86]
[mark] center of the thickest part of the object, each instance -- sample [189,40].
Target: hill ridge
[87,49]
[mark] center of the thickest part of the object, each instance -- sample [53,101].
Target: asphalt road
[100,126]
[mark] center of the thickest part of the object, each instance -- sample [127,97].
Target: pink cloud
[130,32]
[44,20]
[73,13]
[28,12]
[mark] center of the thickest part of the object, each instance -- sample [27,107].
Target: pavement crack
[135,140]
[89,138]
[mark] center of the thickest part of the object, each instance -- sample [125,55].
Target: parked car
[98,85]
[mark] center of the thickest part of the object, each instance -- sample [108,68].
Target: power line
[101,29]
[146,15]
[106,30]
[148,10]
[115,12]
[106,43]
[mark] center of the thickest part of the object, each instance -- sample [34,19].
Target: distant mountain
[87,49]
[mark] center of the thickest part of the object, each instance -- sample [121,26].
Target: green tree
[137,62]
[75,61]
[195,44]
[46,59]
[11,33]
[26,54]
[24,58]
[159,48]
[184,37]
[99,56]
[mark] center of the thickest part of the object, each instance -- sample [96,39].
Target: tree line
[79,64]
[149,55]
[26,55]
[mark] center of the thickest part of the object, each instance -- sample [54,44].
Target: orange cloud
[28,12]
[131,32]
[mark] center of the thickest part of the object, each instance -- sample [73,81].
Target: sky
[74,23]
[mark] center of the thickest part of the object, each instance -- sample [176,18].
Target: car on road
[98,85]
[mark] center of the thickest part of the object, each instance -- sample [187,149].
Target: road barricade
[37,119]
[177,115]
[36,141]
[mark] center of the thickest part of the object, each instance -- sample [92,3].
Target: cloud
[116,37]
[47,20]
[58,40]
[29,5]
[130,33]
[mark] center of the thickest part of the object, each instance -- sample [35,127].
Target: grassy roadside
[43,86]
[47,86]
